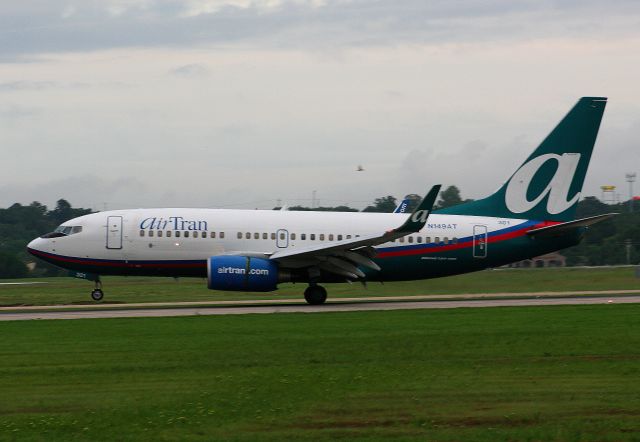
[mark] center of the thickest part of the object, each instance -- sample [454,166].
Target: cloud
[14,112]
[246,101]
[190,70]
[39,27]
[26,85]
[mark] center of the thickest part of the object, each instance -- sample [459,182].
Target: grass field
[541,374]
[127,290]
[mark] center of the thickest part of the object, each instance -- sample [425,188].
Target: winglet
[416,221]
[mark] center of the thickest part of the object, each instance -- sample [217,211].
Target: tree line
[20,224]
[614,241]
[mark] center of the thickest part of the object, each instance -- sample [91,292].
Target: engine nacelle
[242,273]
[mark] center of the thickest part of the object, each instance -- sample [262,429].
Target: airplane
[533,213]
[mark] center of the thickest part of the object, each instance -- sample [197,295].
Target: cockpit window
[63,231]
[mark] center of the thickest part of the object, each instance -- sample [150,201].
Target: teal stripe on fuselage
[461,260]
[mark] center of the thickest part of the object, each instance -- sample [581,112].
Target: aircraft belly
[452,262]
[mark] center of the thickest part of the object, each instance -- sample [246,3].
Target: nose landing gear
[96,293]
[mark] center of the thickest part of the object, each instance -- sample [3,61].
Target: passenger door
[114,232]
[479,241]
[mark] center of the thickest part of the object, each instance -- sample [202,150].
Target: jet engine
[244,273]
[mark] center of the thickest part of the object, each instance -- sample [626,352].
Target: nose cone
[35,246]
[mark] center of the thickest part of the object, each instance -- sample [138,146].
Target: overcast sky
[240,103]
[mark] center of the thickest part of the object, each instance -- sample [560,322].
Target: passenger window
[419,239]
[322,237]
[293,236]
[339,237]
[331,237]
[436,240]
[168,233]
[303,236]
[177,234]
[221,235]
[265,235]
[141,232]
[273,236]
[159,233]
[186,234]
[195,234]
[427,239]
[212,234]
[312,237]
[282,236]
[455,240]
[410,239]
[239,235]
[150,232]
[401,239]
[348,236]
[247,235]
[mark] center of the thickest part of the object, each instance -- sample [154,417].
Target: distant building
[548,260]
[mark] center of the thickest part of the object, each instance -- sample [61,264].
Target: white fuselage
[143,234]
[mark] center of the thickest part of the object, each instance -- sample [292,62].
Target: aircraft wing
[344,257]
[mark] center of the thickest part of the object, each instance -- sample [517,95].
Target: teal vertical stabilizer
[548,184]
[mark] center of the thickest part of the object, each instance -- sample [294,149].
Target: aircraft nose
[35,245]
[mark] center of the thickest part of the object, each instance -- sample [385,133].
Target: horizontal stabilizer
[559,228]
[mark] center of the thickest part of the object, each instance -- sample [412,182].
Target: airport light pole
[631,177]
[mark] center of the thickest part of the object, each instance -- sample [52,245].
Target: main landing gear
[96,293]
[315,294]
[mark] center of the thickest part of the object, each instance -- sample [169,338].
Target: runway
[303,308]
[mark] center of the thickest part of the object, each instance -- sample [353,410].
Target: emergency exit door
[282,238]
[114,232]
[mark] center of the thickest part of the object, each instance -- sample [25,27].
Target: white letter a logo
[420,216]
[557,189]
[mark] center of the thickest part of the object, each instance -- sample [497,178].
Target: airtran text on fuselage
[172,223]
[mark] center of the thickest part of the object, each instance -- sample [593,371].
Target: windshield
[66,230]
[63,231]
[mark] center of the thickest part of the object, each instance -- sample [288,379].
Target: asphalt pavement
[337,306]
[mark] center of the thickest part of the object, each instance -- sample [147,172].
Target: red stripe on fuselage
[466,244]
[122,264]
